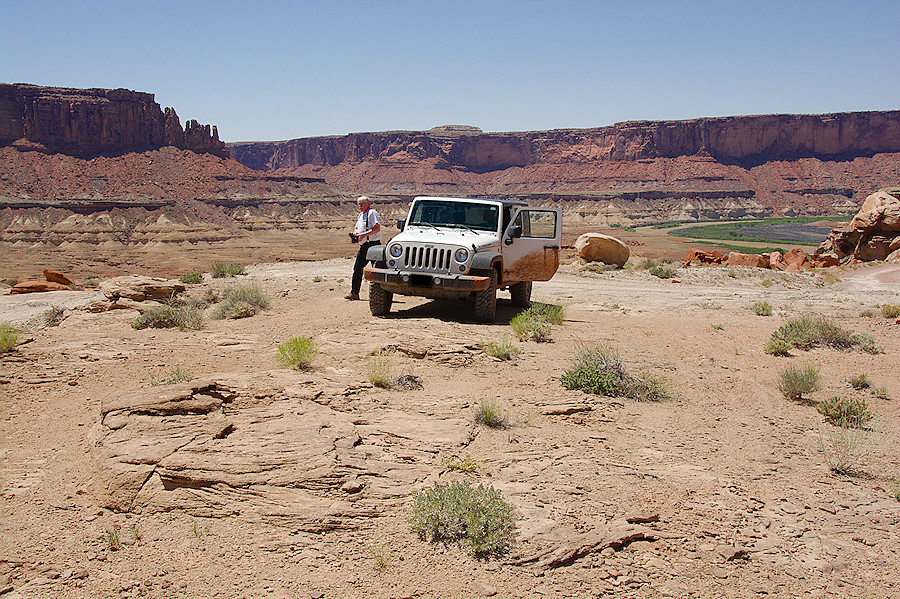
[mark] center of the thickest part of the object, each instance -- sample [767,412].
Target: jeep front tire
[486,301]
[379,300]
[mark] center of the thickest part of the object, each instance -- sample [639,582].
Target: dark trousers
[360,264]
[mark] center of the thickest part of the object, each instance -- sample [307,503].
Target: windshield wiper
[466,227]
[421,224]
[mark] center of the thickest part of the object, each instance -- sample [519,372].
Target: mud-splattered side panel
[538,265]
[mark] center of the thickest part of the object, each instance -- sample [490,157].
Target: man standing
[366,233]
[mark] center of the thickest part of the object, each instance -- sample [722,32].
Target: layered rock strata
[89,122]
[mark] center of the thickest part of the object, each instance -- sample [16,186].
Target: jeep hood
[445,235]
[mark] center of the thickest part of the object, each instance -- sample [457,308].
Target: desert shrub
[191,278]
[177,374]
[846,413]
[297,353]
[845,448]
[860,381]
[867,313]
[408,382]
[91,282]
[794,381]
[478,517]
[317,279]
[890,311]
[661,272]
[881,392]
[53,316]
[809,331]
[762,309]
[9,337]
[648,263]
[596,267]
[222,269]
[528,326]
[489,414]
[600,370]
[767,282]
[502,350]
[894,488]
[10,281]
[241,302]
[383,369]
[777,347]
[167,316]
[552,313]
[466,464]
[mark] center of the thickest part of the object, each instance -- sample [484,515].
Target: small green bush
[9,337]
[881,392]
[648,263]
[191,278]
[778,347]
[91,282]
[298,353]
[890,311]
[552,313]
[794,381]
[528,326]
[595,267]
[241,302]
[600,370]
[489,415]
[661,272]
[458,512]
[167,316]
[221,269]
[846,413]
[860,381]
[466,464]
[762,309]
[502,350]
[809,331]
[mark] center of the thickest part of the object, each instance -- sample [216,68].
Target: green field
[798,231]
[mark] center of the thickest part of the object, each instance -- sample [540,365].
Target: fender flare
[487,260]
[376,253]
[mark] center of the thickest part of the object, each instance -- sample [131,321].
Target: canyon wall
[90,122]
[756,165]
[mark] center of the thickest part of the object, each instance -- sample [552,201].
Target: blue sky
[272,70]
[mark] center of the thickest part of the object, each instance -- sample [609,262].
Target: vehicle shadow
[462,311]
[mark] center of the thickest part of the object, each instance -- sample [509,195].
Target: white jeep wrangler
[450,248]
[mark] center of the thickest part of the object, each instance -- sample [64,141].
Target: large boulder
[57,277]
[739,259]
[38,287]
[880,212]
[596,247]
[795,260]
[139,288]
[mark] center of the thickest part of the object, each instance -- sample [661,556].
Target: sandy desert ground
[725,489]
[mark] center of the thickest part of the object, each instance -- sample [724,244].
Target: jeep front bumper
[405,282]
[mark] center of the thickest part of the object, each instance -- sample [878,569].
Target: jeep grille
[427,258]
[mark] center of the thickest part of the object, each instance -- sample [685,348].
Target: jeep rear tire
[486,301]
[521,294]
[379,300]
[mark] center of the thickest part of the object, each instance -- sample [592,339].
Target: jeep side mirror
[516,231]
[401,223]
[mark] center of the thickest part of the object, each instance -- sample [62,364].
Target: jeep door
[531,244]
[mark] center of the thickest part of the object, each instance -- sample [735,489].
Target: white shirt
[364,222]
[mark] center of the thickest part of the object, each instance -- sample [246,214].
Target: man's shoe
[352,296]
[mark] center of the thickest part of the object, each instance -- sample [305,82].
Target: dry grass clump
[220,270]
[191,278]
[502,350]
[297,353]
[241,302]
[809,331]
[890,311]
[600,370]
[170,316]
[846,447]
[489,415]
[9,337]
[177,374]
[53,316]
[383,369]
[795,381]
[477,517]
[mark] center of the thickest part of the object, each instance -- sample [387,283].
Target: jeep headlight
[395,250]
[461,255]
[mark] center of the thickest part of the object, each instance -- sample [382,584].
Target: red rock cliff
[809,164]
[90,122]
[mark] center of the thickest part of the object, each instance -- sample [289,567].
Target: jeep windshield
[468,215]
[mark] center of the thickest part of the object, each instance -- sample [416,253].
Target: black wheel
[379,300]
[521,294]
[486,301]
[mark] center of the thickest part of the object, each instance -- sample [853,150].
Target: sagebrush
[476,516]
[297,353]
[601,371]
[846,412]
[796,381]
[809,331]
[9,337]
[241,302]
[169,316]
